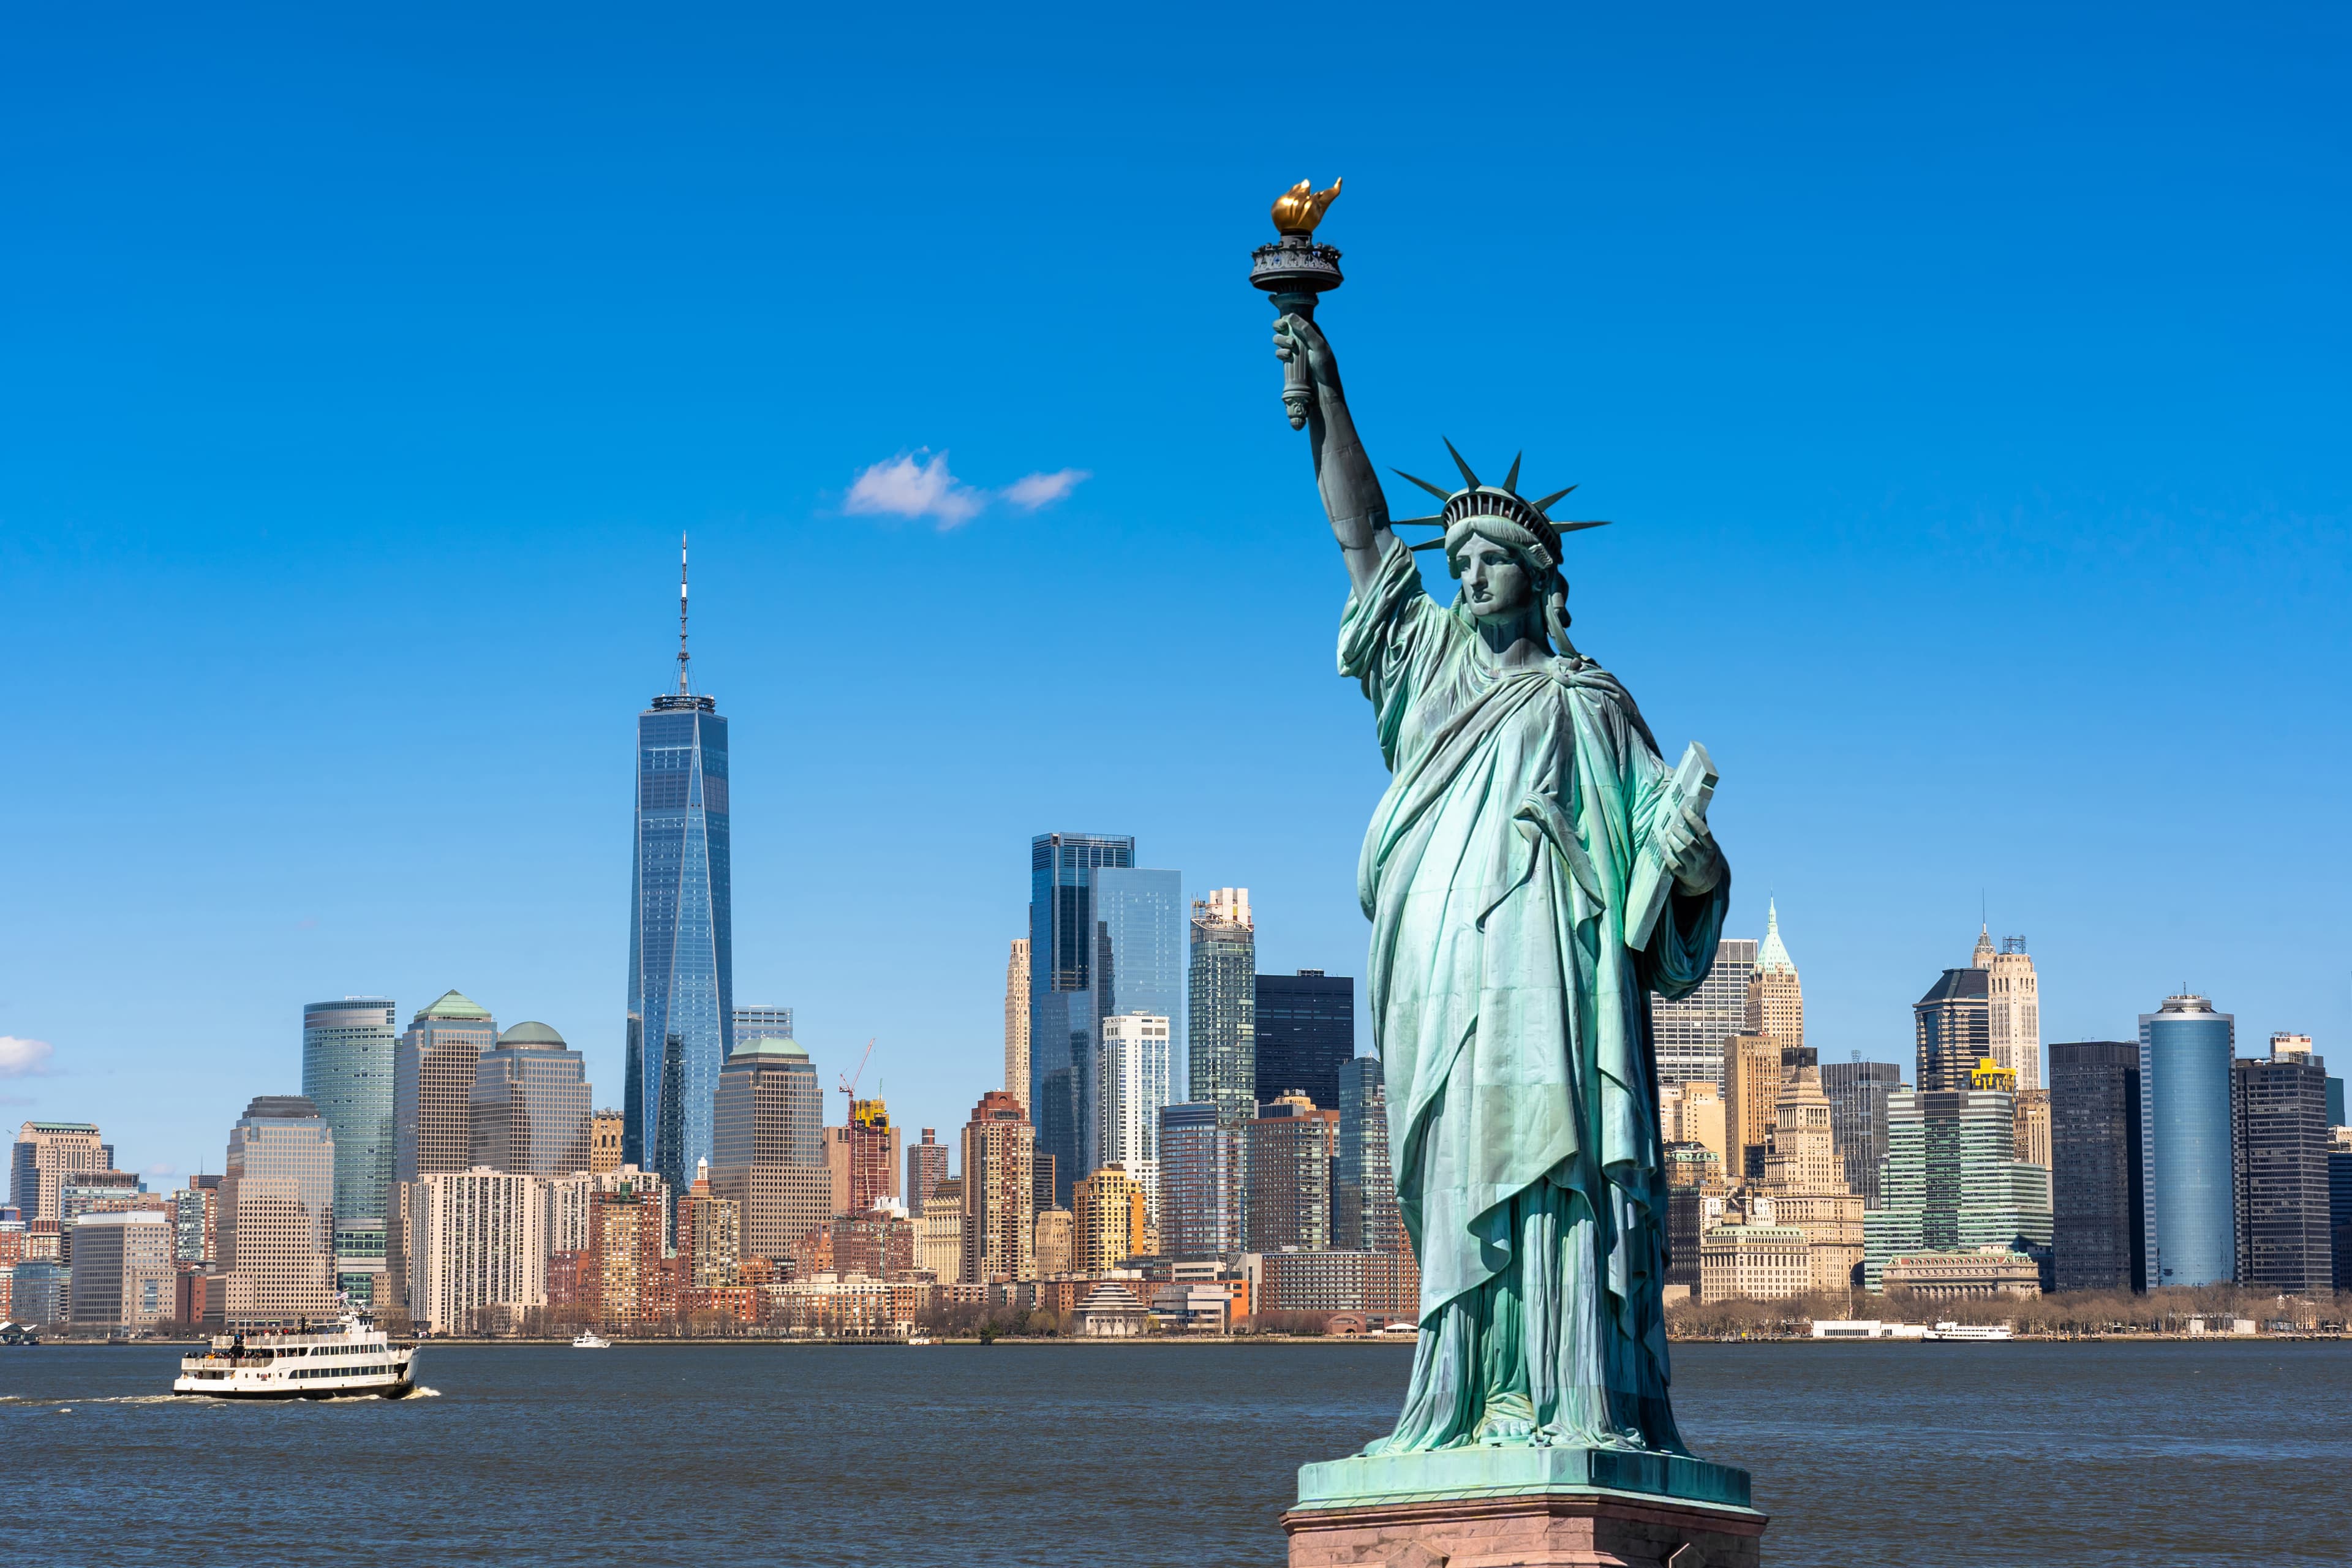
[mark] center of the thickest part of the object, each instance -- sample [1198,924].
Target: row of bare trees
[2071,1313]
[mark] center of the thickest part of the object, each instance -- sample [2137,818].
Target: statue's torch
[1294,270]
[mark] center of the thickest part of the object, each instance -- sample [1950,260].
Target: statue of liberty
[1533,873]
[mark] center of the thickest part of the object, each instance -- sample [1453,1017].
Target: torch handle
[1297,385]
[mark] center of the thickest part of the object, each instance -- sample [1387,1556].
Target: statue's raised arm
[1351,491]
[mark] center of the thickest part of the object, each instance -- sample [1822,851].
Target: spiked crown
[1475,499]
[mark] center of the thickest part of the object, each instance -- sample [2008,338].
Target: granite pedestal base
[1523,1507]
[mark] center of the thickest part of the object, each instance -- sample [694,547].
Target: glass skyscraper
[1139,950]
[2184,1050]
[1857,1092]
[1221,1007]
[681,938]
[1066,1002]
[1690,1033]
[348,1050]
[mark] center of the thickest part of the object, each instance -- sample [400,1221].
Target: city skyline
[1814,353]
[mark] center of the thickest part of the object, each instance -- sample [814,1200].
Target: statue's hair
[1541,567]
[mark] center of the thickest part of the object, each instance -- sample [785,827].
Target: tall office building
[1751,1090]
[1202,1180]
[530,1104]
[1953,1030]
[122,1269]
[2012,1007]
[1776,998]
[1857,1092]
[46,1155]
[1291,1148]
[760,1021]
[2095,1167]
[1364,1213]
[1222,1052]
[347,1051]
[926,1167]
[1306,1028]
[1016,1022]
[433,1086]
[2280,1107]
[681,929]
[768,1133]
[1690,1033]
[1065,1007]
[1805,1176]
[1952,1180]
[1131,1085]
[2186,1179]
[998,1215]
[277,1214]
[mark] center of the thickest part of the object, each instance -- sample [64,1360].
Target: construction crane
[850,1080]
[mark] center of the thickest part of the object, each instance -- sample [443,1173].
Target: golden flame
[1298,209]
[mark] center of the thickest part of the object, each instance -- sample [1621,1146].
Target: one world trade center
[682,946]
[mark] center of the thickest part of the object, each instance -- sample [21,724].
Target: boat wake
[63,1406]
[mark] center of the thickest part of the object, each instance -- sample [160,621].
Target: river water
[1888,1456]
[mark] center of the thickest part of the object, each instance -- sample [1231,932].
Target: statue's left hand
[1688,850]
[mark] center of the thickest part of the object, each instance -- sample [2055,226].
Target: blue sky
[1967,383]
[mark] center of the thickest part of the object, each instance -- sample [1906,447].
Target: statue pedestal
[1523,1507]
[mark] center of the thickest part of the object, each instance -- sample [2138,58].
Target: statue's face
[1495,581]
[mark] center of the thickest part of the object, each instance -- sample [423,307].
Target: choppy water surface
[1878,1454]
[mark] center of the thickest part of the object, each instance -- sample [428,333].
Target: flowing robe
[1514,1027]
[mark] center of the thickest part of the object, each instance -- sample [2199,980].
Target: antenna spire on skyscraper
[682,655]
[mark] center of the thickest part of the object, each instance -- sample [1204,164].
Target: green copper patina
[1534,872]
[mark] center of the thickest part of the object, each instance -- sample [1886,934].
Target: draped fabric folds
[1514,1027]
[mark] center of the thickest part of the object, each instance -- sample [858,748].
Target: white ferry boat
[1975,1333]
[353,1357]
[589,1339]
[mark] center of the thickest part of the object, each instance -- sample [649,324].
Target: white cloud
[904,487]
[162,1171]
[1045,489]
[20,1058]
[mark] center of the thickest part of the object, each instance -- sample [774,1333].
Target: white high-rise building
[1132,1077]
[477,1238]
[2015,1006]
[1016,1022]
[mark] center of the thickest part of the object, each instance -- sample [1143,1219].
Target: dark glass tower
[1857,1092]
[1306,1033]
[2095,1168]
[1065,989]
[681,940]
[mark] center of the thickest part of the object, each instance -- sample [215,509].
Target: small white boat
[588,1340]
[354,1357]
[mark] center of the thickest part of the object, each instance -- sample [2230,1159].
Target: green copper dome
[777,1046]
[454,1006]
[531,1032]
